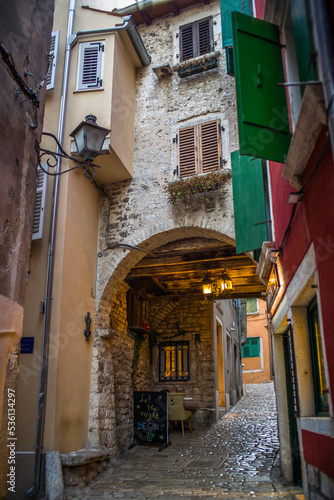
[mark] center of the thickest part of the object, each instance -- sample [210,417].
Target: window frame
[321,409]
[98,85]
[251,348]
[53,56]
[195,38]
[162,366]
[39,208]
[252,313]
[200,147]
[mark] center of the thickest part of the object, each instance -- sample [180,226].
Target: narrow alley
[238,457]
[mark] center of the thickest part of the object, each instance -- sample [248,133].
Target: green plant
[185,189]
[139,340]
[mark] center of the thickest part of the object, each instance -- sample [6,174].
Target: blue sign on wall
[27,345]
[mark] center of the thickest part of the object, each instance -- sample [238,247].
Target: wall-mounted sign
[27,345]
[272,287]
[150,417]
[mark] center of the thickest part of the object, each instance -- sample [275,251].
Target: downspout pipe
[323,38]
[128,26]
[50,272]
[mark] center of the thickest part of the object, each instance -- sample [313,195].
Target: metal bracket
[88,321]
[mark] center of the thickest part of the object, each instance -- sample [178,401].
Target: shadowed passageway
[238,457]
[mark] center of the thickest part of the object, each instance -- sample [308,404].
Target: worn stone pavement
[236,458]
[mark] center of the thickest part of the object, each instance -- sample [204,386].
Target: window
[90,65]
[53,54]
[196,39]
[252,306]
[317,358]
[136,309]
[200,149]
[37,231]
[251,348]
[174,361]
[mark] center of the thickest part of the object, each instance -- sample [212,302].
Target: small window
[53,54]
[174,361]
[251,348]
[37,231]
[252,306]
[90,65]
[318,363]
[200,149]
[136,309]
[196,39]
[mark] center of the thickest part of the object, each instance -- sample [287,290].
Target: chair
[176,410]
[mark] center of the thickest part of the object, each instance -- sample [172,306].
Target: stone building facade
[137,218]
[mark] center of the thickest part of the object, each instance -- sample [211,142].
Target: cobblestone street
[237,458]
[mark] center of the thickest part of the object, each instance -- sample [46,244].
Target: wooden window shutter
[210,146]
[90,65]
[38,223]
[187,152]
[53,54]
[250,213]
[262,108]
[204,30]
[187,49]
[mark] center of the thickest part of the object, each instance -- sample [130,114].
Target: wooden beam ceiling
[178,269]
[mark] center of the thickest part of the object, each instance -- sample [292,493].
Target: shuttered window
[196,39]
[200,149]
[90,65]
[251,348]
[53,54]
[226,8]
[37,231]
[262,108]
[251,210]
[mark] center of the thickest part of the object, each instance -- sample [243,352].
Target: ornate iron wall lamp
[88,138]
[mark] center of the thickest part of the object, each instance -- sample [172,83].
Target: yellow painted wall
[67,410]
[256,324]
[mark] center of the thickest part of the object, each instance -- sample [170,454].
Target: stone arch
[108,391]
[121,260]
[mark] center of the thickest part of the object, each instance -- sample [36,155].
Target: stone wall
[137,214]
[194,319]
[139,210]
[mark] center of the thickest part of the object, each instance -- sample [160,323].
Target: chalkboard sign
[150,417]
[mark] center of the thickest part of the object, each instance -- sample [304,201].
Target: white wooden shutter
[53,54]
[90,65]
[37,231]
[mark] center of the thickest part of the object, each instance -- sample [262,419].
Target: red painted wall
[259,5]
[313,222]
[319,451]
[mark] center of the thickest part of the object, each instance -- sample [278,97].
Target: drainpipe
[323,38]
[131,29]
[50,271]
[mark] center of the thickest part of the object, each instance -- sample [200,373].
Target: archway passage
[178,268]
[163,289]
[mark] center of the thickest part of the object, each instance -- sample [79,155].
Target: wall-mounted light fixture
[214,288]
[88,137]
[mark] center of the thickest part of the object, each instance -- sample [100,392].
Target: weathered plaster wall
[25,30]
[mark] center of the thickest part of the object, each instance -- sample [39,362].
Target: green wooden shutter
[251,348]
[249,203]
[303,41]
[262,109]
[227,7]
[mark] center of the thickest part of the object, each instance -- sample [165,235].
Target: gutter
[137,7]
[128,26]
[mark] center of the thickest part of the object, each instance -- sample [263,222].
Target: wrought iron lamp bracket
[53,157]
